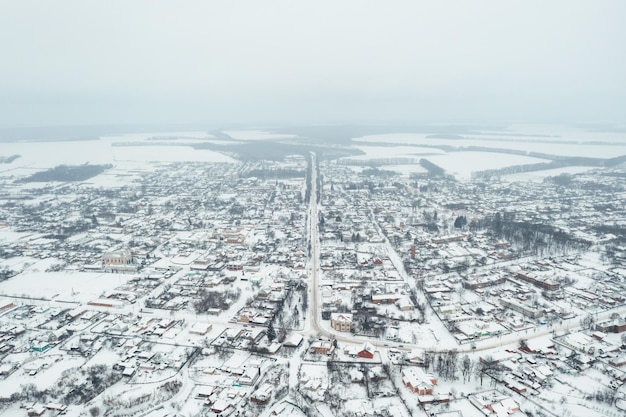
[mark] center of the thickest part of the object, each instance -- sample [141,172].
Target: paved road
[314,316]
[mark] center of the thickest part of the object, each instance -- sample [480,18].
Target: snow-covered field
[256,135]
[459,164]
[462,164]
[539,176]
[62,286]
[539,139]
[50,368]
[167,154]
[561,141]
[42,155]
[144,149]
[195,134]
[372,152]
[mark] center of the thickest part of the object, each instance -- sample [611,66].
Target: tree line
[67,173]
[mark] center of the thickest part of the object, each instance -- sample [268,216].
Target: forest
[68,173]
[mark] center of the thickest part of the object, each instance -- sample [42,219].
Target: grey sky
[82,62]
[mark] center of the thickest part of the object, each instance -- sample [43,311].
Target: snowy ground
[539,176]
[62,286]
[250,135]
[565,141]
[462,164]
[84,287]
[144,149]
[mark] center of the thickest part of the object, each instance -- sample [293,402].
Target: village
[310,287]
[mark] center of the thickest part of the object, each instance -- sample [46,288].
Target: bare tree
[588,322]
[466,368]
[487,366]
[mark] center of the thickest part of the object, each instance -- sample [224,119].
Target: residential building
[342,322]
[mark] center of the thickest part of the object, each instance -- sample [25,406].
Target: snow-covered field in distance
[142,150]
[462,164]
[459,164]
[551,140]
[246,135]
[168,154]
[543,139]
[398,151]
[538,176]
[65,286]
[138,150]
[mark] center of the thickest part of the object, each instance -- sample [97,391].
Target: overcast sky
[336,61]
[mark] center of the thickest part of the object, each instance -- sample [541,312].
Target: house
[219,406]
[541,282]
[342,322]
[356,376]
[199,265]
[200,328]
[249,376]
[404,304]
[232,333]
[204,391]
[234,266]
[285,409]
[117,258]
[578,341]
[118,261]
[294,340]
[6,369]
[41,346]
[418,381]
[495,403]
[612,326]
[376,373]
[385,298]
[516,386]
[598,335]
[56,407]
[323,347]
[262,395]
[5,305]
[367,351]
[455,413]
[36,410]
[618,361]
[312,385]
[416,356]
[521,308]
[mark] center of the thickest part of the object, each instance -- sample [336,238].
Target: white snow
[65,286]
[156,153]
[256,135]
[462,164]
[138,148]
[569,141]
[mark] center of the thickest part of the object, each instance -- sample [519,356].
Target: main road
[313,326]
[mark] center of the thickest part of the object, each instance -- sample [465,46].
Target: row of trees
[75,386]
[68,173]
[534,237]
[448,365]
[8,159]
[215,299]
[286,314]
